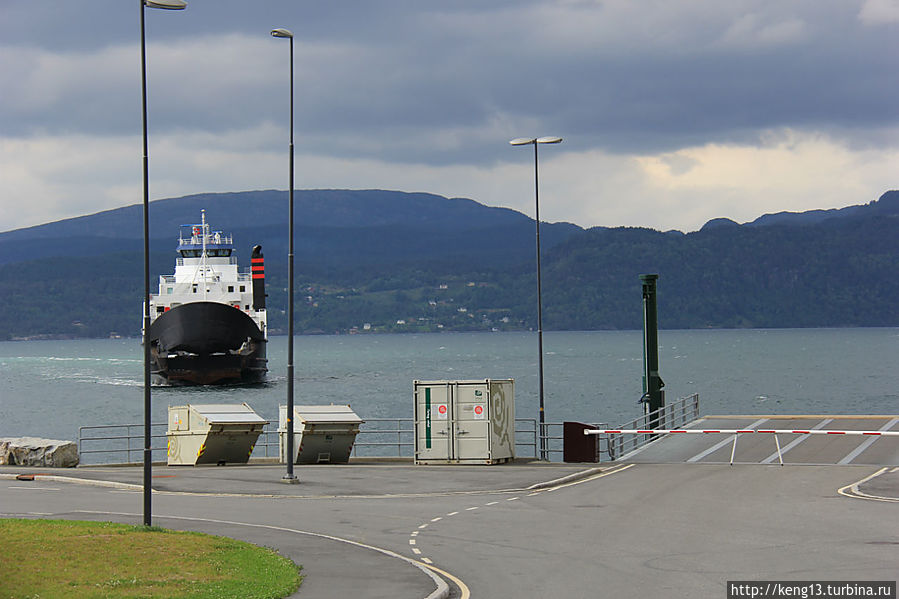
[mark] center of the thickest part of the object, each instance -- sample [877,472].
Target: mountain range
[400,261]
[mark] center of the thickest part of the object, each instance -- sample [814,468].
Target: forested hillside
[388,261]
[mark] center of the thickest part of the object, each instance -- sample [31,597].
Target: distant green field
[61,558]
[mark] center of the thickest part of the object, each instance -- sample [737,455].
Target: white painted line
[437,519]
[35,488]
[415,533]
[866,443]
[721,444]
[796,442]
[422,526]
[442,589]
[426,560]
[452,513]
[412,541]
[513,499]
[493,503]
[469,509]
[416,551]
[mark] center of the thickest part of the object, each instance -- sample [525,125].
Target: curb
[74,480]
[566,479]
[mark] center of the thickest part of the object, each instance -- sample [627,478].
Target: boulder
[32,451]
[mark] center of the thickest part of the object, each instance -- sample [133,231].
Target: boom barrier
[737,432]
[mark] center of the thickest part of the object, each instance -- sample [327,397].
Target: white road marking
[429,569]
[796,442]
[867,443]
[726,441]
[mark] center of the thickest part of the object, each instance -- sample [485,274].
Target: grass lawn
[70,559]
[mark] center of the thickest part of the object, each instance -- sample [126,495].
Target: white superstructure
[206,270]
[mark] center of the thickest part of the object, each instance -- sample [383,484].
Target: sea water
[51,388]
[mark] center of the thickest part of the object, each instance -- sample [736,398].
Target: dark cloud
[386,79]
[667,96]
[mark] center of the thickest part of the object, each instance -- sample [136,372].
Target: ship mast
[203,259]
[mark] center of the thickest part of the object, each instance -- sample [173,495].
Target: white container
[464,422]
[212,434]
[321,434]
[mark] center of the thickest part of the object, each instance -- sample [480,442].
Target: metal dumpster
[322,434]
[212,434]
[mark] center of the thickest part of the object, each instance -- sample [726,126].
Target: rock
[32,451]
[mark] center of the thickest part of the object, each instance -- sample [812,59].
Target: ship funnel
[257,268]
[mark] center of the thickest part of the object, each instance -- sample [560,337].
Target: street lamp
[524,141]
[289,477]
[148,452]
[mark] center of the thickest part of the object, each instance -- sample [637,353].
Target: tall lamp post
[289,477]
[525,141]
[148,452]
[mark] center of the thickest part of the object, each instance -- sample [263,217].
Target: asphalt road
[666,530]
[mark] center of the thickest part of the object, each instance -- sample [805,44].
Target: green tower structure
[653,394]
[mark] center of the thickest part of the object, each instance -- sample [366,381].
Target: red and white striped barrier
[737,432]
[665,431]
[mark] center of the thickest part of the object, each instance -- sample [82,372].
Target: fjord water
[50,388]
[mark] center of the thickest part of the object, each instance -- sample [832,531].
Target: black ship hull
[206,343]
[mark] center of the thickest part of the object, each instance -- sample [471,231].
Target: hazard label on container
[479,413]
[441,411]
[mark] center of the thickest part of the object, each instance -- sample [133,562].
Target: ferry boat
[208,321]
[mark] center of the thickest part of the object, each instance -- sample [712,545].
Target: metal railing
[378,437]
[674,415]
[119,439]
[394,437]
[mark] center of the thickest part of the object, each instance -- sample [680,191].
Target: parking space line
[796,442]
[721,444]
[866,443]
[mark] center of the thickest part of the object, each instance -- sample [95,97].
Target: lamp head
[282,33]
[166,4]
[527,141]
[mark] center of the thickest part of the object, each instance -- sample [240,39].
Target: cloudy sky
[673,112]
